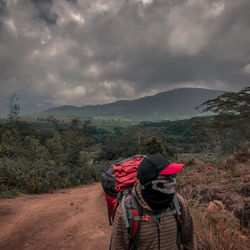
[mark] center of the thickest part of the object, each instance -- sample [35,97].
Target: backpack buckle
[146,217]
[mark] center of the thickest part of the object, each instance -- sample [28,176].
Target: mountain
[172,105]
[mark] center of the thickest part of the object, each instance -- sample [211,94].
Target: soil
[67,219]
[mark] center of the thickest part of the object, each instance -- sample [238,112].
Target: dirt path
[68,219]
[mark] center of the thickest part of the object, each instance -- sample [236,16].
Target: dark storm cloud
[43,10]
[147,58]
[2,6]
[73,1]
[91,51]
[2,13]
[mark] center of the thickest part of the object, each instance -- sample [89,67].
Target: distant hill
[172,105]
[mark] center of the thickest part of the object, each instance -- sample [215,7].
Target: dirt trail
[68,219]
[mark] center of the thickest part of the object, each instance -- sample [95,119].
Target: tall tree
[14,108]
[154,145]
[74,124]
[230,104]
[232,109]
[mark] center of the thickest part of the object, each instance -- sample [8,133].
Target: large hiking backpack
[116,179]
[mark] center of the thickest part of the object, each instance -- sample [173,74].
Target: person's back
[159,227]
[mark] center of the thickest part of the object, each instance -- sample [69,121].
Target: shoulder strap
[132,214]
[177,205]
[131,209]
[178,221]
[124,211]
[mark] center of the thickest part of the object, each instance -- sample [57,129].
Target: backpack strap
[154,217]
[109,216]
[135,227]
[132,214]
[178,222]
[124,212]
[130,210]
[177,205]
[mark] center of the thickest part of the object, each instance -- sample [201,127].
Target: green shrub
[22,175]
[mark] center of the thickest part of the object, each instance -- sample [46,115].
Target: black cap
[154,165]
[150,167]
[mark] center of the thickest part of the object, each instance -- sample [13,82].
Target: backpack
[117,181]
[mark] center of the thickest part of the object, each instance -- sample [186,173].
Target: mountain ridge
[172,104]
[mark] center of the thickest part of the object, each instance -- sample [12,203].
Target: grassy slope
[218,196]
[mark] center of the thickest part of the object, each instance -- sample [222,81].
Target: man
[159,226]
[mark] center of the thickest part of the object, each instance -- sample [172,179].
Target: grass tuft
[218,229]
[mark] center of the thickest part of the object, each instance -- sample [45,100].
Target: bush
[22,175]
[27,165]
[218,229]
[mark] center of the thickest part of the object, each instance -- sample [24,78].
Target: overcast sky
[80,52]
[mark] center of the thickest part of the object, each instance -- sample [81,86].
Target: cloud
[246,69]
[64,96]
[145,2]
[11,27]
[67,12]
[99,51]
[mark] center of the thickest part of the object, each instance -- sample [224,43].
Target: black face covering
[157,200]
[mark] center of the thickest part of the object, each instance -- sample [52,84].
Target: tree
[54,146]
[154,145]
[230,104]
[85,127]
[74,124]
[11,144]
[14,108]
[116,147]
[232,110]
[73,146]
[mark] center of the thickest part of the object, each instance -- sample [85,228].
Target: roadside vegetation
[218,195]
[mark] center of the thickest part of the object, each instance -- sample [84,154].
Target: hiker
[164,220]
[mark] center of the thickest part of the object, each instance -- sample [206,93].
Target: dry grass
[218,229]
[232,163]
[219,198]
